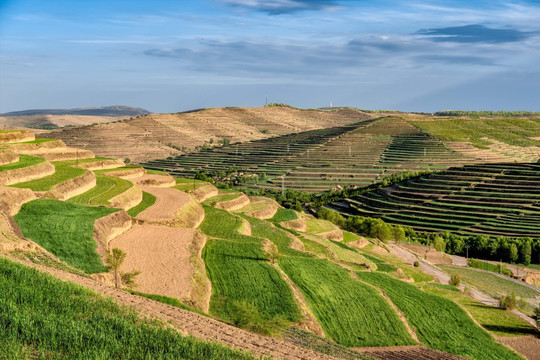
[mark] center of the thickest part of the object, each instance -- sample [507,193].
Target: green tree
[116,259]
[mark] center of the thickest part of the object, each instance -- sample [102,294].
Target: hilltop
[162,135]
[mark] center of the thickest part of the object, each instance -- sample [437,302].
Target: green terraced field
[64,229]
[239,272]
[63,172]
[439,323]
[106,188]
[351,313]
[42,317]
[24,161]
[284,215]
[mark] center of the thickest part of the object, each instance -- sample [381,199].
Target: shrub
[508,302]
[416,264]
[455,280]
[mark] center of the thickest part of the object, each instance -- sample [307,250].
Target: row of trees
[511,250]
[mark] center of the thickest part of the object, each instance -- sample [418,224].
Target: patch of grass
[63,172]
[190,186]
[439,323]
[316,226]
[381,264]
[47,260]
[246,290]
[184,180]
[64,229]
[24,161]
[222,224]
[46,318]
[496,320]
[38,141]
[147,201]
[119,186]
[156,172]
[220,198]
[103,184]
[408,270]
[284,215]
[264,230]
[351,313]
[350,237]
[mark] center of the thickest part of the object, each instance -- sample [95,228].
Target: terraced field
[491,199]
[352,155]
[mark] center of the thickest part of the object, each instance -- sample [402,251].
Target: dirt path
[162,256]
[168,203]
[191,323]
[527,346]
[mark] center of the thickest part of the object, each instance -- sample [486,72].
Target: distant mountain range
[115,110]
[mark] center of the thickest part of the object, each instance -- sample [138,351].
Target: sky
[171,56]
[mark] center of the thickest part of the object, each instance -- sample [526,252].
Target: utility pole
[283,185]
[350,151]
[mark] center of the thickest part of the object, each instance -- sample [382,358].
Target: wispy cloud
[475,34]
[276,7]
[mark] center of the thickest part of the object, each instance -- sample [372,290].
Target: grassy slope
[351,313]
[64,229]
[511,131]
[284,215]
[106,188]
[439,323]
[499,321]
[43,317]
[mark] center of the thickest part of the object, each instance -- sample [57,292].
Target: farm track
[191,323]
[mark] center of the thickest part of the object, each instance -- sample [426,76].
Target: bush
[508,302]
[416,264]
[455,280]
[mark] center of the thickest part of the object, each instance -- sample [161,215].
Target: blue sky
[169,56]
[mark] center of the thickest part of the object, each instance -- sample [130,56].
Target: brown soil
[16,136]
[191,323]
[415,352]
[528,346]
[204,192]
[11,199]
[35,148]
[109,227]
[144,138]
[101,164]
[336,235]
[155,180]
[28,173]
[34,121]
[297,224]
[7,157]
[128,199]
[162,256]
[431,255]
[127,174]
[168,203]
[234,204]
[74,187]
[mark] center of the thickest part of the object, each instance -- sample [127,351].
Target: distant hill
[115,110]
[157,136]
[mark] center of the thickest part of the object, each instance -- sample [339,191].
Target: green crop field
[351,313]
[220,198]
[221,224]
[63,172]
[45,318]
[284,215]
[439,323]
[106,188]
[316,226]
[511,131]
[240,275]
[147,201]
[496,320]
[24,161]
[64,229]
[264,230]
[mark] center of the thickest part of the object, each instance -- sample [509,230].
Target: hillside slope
[161,135]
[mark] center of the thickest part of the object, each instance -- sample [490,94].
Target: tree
[127,161]
[115,260]
[455,280]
